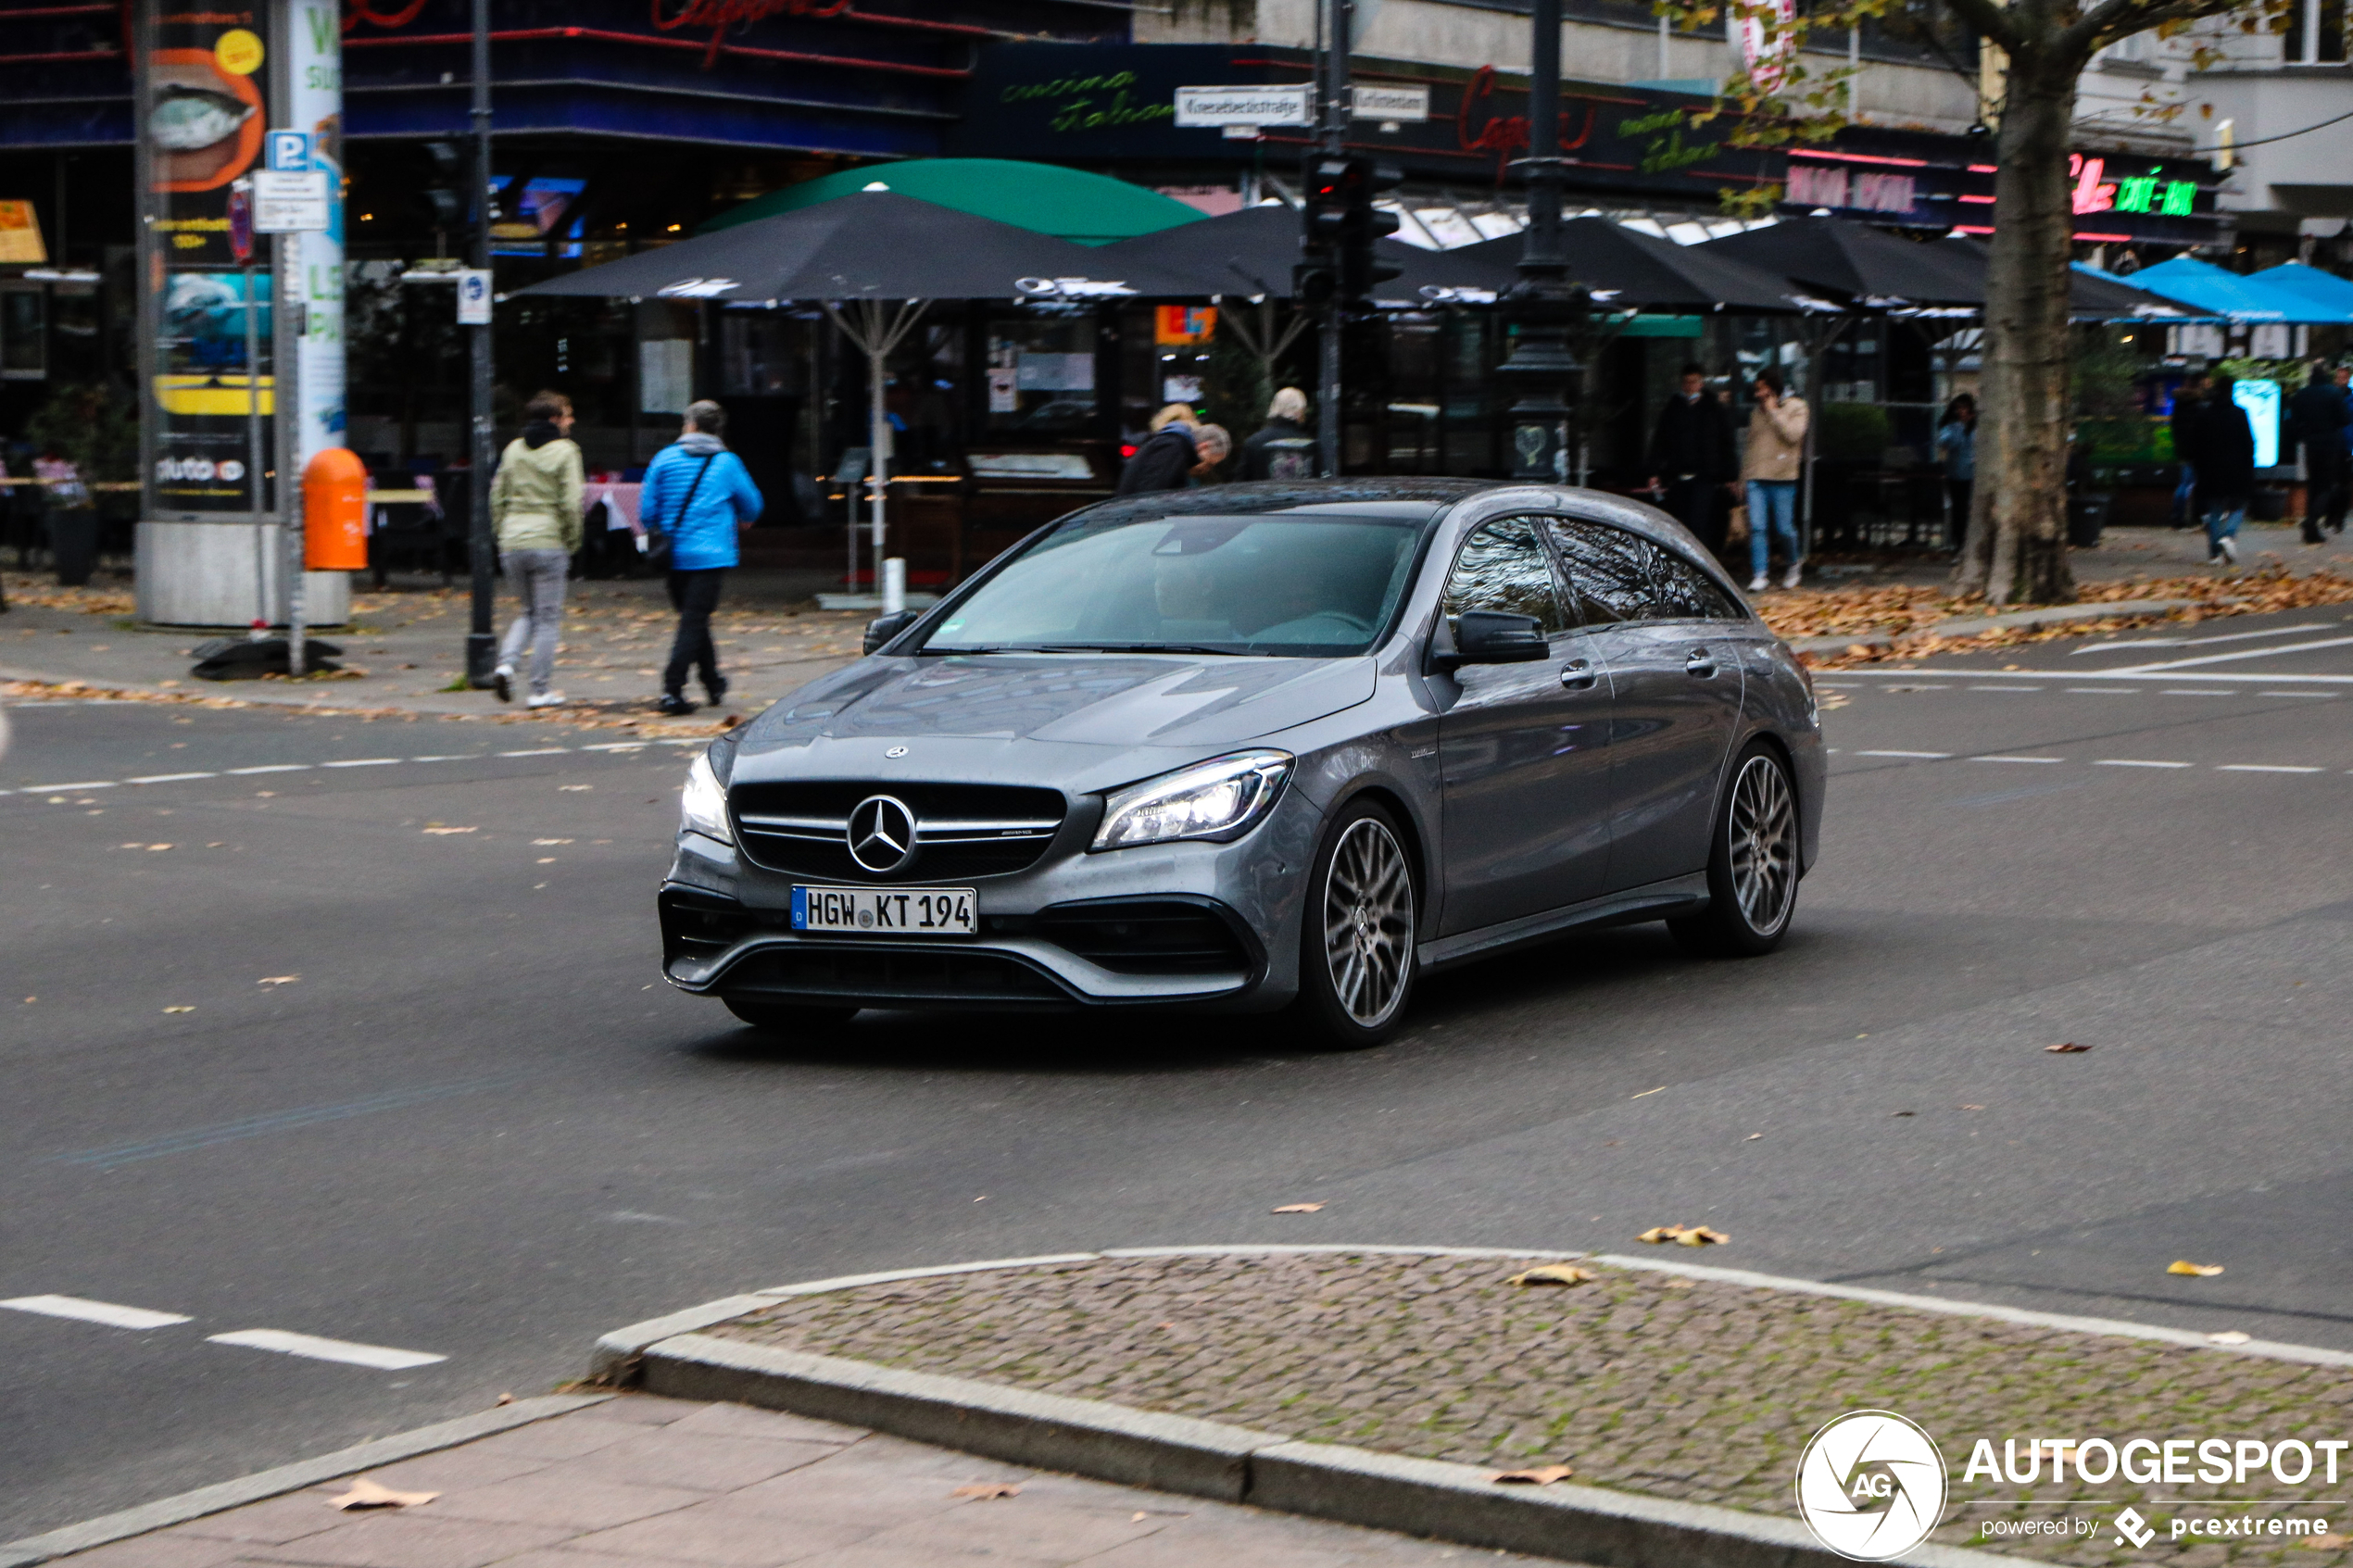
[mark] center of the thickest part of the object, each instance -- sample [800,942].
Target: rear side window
[1503,568]
[1608,569]
[1685,592]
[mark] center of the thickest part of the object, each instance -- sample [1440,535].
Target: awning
[2325,289]
[1089,209]
[2233,295]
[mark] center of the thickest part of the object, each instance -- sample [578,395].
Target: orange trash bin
[334,512]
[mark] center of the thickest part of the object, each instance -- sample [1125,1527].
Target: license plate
[898,912]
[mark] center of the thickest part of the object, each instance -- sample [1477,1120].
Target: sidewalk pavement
[639,1482]
[1670,1381]
[409,645]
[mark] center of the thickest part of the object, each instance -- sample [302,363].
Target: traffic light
[1323,227]
[444,187]
[1361,224]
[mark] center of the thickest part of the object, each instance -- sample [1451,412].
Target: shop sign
[1394,104]
[1244,106]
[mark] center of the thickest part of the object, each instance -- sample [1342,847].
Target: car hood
[1087,699]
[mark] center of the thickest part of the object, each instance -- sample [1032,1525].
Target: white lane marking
[615,746]
[381,1357]
[2201,642]
[2138,763]
[543,751]
[2261,768]
[389,761]
[1826,685]
[86,784]
[169,778]
[2231,658]
[105,1312]
[362,762]
[2006,688]
[2103,691]
[2018,758]
[449,757]
[275,768]
[2321,694]
[1931,755]
[2186,690]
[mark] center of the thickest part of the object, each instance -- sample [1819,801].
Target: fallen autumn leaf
[1683,1236]
[1540,1475]
[365,1493]
[983,1489]
[180,1009]
[442,830]
[1553,1274]
[2067,1047]
[278,979]
[2196,1271]
[1296,1208]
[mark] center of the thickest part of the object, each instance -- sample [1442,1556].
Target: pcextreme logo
[1870,1486]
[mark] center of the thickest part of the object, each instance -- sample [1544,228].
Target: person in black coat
[2222,448]
[1162,462]
[1691,458]
[2318,417]
[1281,448]
[2189,405]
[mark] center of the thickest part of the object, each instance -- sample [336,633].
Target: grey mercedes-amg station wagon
[1257,746]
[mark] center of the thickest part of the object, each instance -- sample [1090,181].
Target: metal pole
[1339,17]
[262,606]
[287,377]
[482,649]
[1549,307]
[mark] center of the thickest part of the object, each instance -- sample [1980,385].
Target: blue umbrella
[2231,296]
[2321,288]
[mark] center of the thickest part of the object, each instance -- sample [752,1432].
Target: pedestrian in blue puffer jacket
[700,495]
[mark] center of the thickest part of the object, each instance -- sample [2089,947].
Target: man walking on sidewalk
[1691,458]
[2318,417]
[534,505]
[700,496]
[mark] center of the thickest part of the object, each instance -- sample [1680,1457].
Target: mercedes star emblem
[896,751]
[881,834]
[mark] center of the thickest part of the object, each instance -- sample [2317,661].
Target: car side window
[1685,592]
[1501,567]
[1608,569]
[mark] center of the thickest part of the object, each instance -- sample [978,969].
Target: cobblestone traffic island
[1648,1382]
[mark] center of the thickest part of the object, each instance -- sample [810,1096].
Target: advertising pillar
[241,337]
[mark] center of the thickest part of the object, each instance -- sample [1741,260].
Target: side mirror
[1489,637]
[883,628]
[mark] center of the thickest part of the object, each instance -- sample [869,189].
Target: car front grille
[879,975]
[961,831]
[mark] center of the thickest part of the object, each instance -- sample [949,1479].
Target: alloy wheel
[1368,923]
[1763,834]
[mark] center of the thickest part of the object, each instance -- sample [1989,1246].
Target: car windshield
[1279,583]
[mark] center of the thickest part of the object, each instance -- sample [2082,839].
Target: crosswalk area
[278,1341]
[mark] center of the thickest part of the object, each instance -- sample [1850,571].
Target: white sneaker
[1759,583]
[502,681]
[546,699]
[1795,574]
[2229,549]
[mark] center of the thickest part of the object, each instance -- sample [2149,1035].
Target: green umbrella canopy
[1092,209]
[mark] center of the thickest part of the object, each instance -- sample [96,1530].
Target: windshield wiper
[1133,647]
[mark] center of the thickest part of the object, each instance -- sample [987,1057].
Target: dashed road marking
[106,1312]
[1930,756]
[273,768]
[362,762]
[86,784]
[2321,694]
[2018,758]
[616,748]
[2232,657]
[2263,768]
[2102,691]
[2138,763]
[169,778]
[381,1357]
[543,751]
[2184,691]
[2006,688]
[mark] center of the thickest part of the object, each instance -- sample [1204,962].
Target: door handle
[1702,663]
[1577,675]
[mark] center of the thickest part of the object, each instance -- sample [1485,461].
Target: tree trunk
[2017,547]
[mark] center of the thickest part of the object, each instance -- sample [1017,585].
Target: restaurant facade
[622,124]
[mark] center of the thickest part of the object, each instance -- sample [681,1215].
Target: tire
[1752,862]
[1358,931]
[787,1018]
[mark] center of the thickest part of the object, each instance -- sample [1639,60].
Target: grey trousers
[538,578]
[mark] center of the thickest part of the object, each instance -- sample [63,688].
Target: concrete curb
[1970,626]
[1429,1498]
[287,1478]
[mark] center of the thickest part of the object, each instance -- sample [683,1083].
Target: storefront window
[24,334]
[1041,377]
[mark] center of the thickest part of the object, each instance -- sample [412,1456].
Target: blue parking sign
[289,151]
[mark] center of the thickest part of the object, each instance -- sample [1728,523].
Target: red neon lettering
[721,15]
[1506,135]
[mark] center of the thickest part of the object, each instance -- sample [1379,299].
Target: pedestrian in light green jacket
[534,503]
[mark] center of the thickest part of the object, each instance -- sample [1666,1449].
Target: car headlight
[702,805]
[1222,798]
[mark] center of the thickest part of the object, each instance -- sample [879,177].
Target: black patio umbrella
[1250,253]
[2091,297]
[873,260]
[1856,262]
[1627,269]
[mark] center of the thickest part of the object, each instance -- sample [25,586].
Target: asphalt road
[477,1127]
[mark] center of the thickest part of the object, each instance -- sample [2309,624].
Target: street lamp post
[1331,138]
[482,648]
[1546,305]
